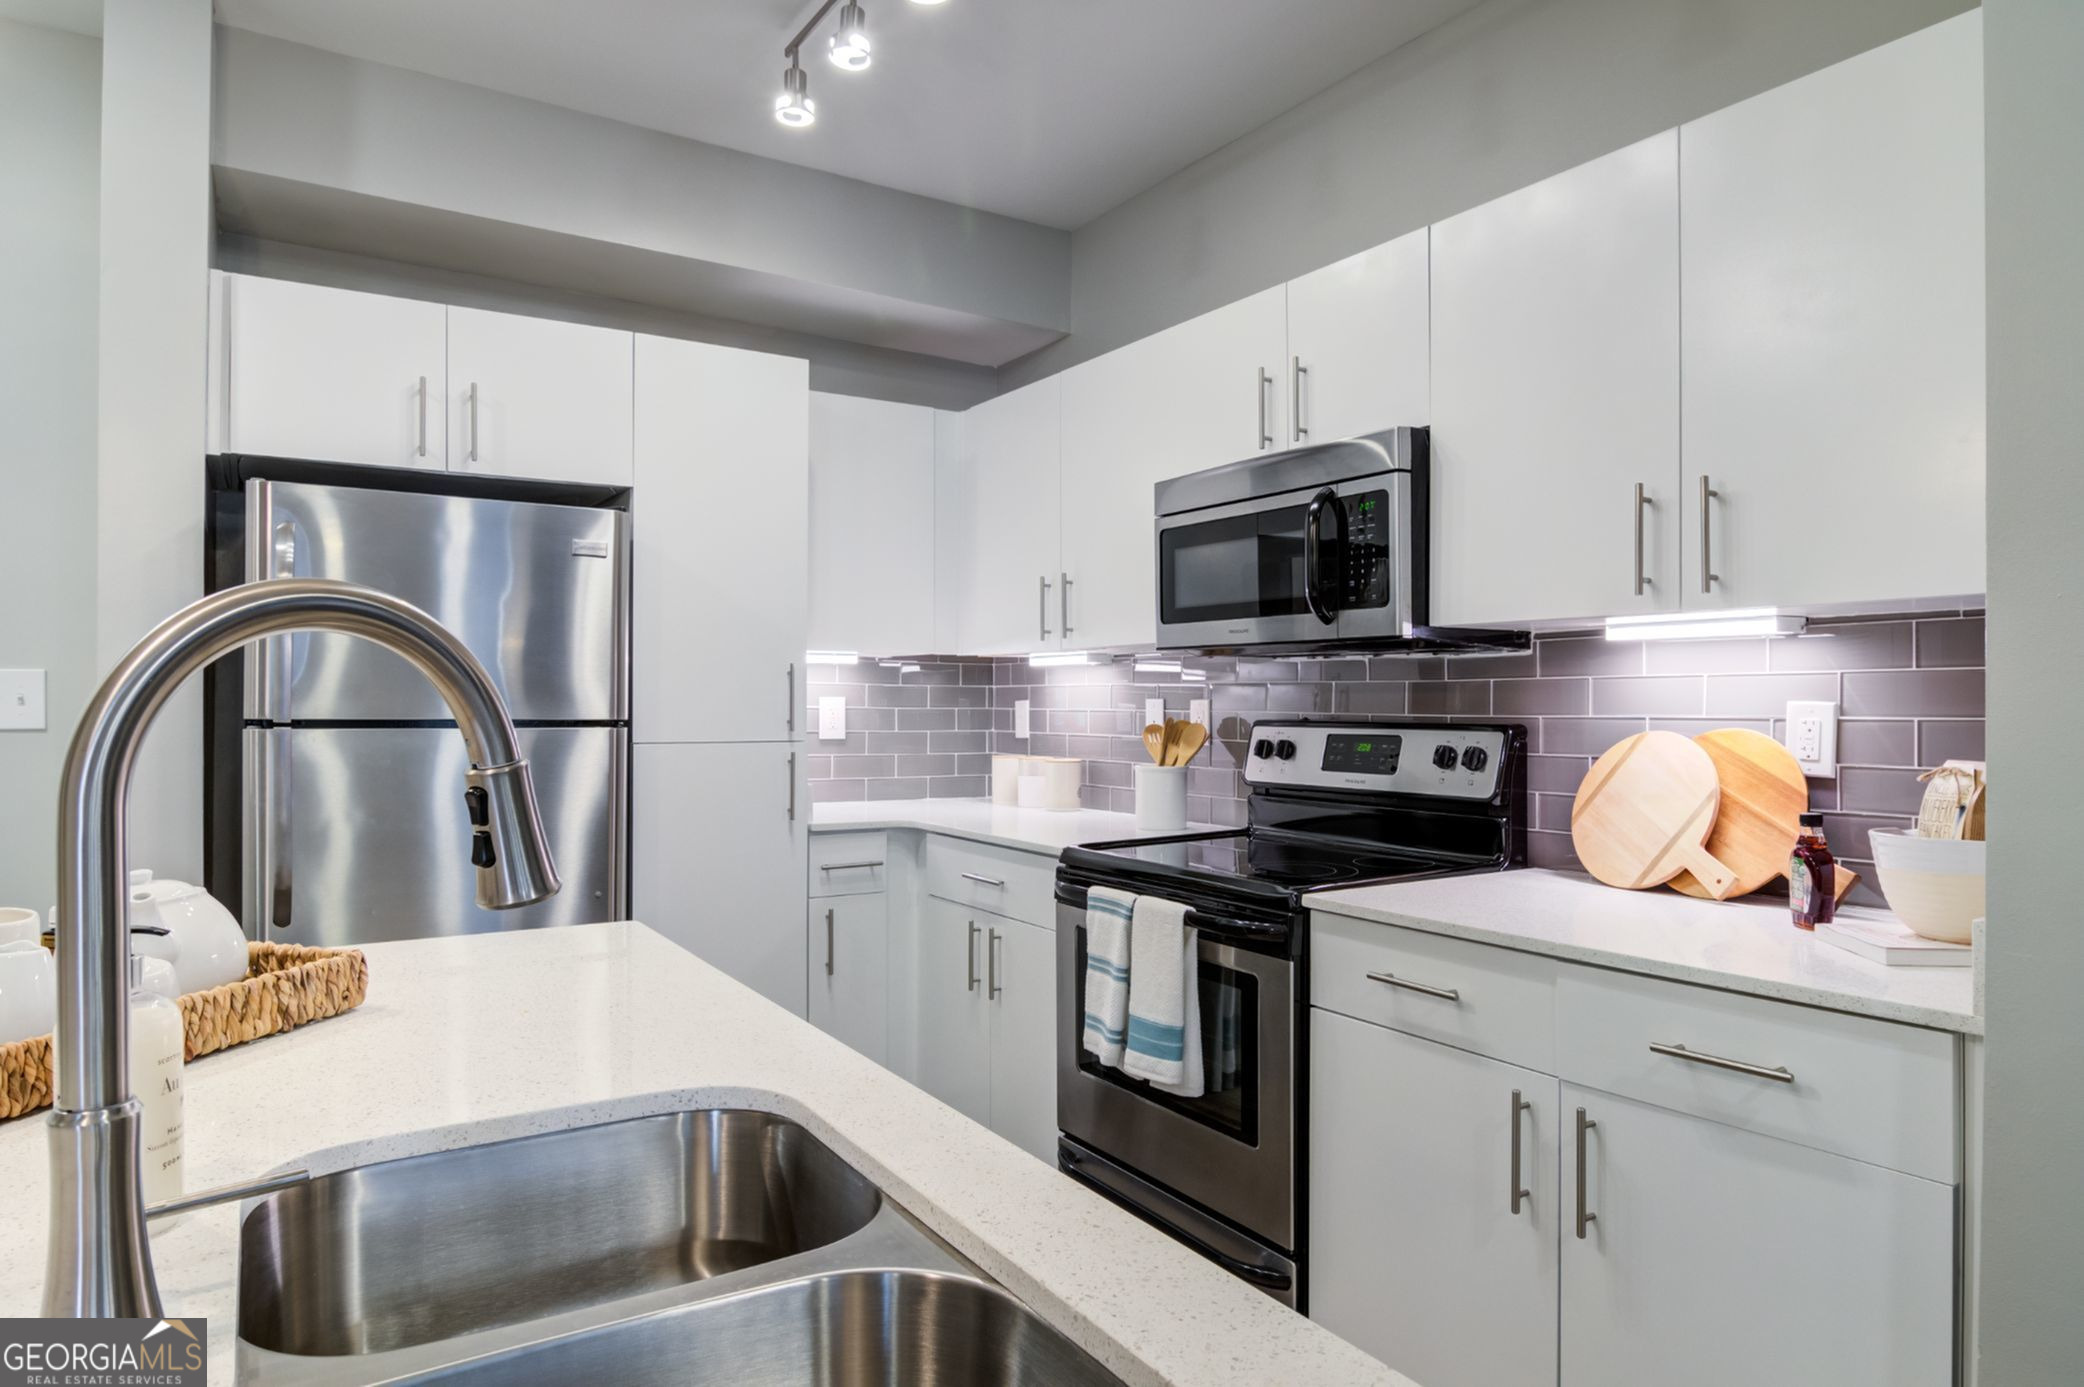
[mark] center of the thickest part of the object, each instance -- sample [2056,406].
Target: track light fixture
[848,47]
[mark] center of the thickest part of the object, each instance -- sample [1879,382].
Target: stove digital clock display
[1350,754]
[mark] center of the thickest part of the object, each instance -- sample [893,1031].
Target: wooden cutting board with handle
[1644,813]
[1763,796]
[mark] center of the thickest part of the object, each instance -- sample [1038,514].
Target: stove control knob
[1262,748]
[1445,756]
[1285,749]
[1475,758]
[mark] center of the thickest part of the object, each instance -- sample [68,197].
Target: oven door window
[1229,1053]
[1233,569]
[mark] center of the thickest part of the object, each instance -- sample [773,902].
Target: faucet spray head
[507,846]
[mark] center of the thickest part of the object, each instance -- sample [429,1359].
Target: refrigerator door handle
[276,651]
[267,899]
[279,855]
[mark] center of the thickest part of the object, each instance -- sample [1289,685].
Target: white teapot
[202,940]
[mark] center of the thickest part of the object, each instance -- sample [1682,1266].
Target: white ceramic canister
[1061,778]
[1006,770]
[1161,798]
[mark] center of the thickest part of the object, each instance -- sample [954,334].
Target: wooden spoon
[1154,743]
[1192,735]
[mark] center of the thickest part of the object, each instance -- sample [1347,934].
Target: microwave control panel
[1447,762]
[1369,529]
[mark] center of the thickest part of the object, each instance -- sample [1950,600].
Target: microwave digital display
[1362,755]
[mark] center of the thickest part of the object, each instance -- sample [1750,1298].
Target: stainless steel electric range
[1333,803]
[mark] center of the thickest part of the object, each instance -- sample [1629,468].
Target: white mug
[28,992]
[19,926]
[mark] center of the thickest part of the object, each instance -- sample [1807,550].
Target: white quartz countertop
[483,1037]
[1034,830]
[1735,945]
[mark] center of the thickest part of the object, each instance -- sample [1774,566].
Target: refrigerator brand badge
[589,548]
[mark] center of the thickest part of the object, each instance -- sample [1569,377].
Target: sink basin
[842,1329]
[412,1251]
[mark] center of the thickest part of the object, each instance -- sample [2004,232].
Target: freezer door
[536,591]
[357,835]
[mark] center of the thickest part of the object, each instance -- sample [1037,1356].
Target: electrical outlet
[1197,711]
[832,718]
[1812,735]
[1154,712]
[1020,718]
[21,700]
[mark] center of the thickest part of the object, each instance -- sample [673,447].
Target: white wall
[154,343]
[50,117]
[2033,1131]
[1500,97]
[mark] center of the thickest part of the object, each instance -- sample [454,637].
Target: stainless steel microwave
[1315,546]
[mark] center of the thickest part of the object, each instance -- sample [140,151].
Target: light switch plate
[1020,718]
[21,700]
[1153,713]
[832,718]
[1197,711]
[1812,735]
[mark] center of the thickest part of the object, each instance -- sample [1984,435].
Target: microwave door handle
[1324,610]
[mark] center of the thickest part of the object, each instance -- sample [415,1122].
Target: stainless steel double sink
[719,1246]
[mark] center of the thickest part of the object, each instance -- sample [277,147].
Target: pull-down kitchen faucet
[99,1263]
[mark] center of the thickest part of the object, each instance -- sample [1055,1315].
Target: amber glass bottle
[1812,876]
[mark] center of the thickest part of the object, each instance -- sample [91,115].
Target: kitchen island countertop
[478,1038]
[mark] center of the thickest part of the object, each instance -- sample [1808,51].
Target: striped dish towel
[1164,999]
[1107,916]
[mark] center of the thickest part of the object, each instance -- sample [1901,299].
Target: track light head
[849,43]
[793,107]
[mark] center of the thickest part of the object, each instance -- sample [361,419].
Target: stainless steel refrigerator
[334,780]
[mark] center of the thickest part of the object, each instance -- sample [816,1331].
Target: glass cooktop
[1292,863]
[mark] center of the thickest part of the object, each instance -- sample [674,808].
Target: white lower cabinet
[1419,1253]
[717,843]
[1718,1256]
[987,1021]
[849,947]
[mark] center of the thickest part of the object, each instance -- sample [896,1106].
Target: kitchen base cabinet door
[954,1024]
[717,857]
[1020,981]
[849,952]
[1720,1258]
[1417,1253]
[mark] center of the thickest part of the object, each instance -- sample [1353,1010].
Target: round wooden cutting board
[1644,812]
[1763,796]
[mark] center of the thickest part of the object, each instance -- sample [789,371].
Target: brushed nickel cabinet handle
[1266,391]
[848,866]
[828,942]
[1708,576]
[991,967]
[1295,399]
[1519,1105]
[1779,1074]
[792,696]
[1063,597]
[983,881]
[1585,1217]
[792,787]
[473,421]
[1642,503]
[421,446]
[1448,994]
[1042,604]
[973,958]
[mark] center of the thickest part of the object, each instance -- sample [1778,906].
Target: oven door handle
[1325,610]
[1073,895]
[1259,1276]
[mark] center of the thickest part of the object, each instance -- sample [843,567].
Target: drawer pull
[1585,1217]
[1756,1071]
[1444,993]
[848,866]
[983,881]
[1519,1192]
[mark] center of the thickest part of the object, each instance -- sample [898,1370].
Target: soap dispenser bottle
[156,1053]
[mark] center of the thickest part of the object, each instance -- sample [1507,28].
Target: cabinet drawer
[1503,1004]
[1871,1090]
[1008,882]
[849,864]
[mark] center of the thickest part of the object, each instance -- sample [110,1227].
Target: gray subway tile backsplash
[1910,692]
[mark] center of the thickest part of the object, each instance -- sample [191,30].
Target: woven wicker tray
[286,986]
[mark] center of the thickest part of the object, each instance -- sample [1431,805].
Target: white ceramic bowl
[1934,885]
[203,940]
[20,926]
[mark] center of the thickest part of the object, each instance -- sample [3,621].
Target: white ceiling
[1052,111]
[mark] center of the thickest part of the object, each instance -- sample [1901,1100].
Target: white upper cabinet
[533,398]
[1358,344]
[719,573]
[1209,391]
[1556,395]
[330,374]
[1832,297]
[1011,600]
[871,526]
